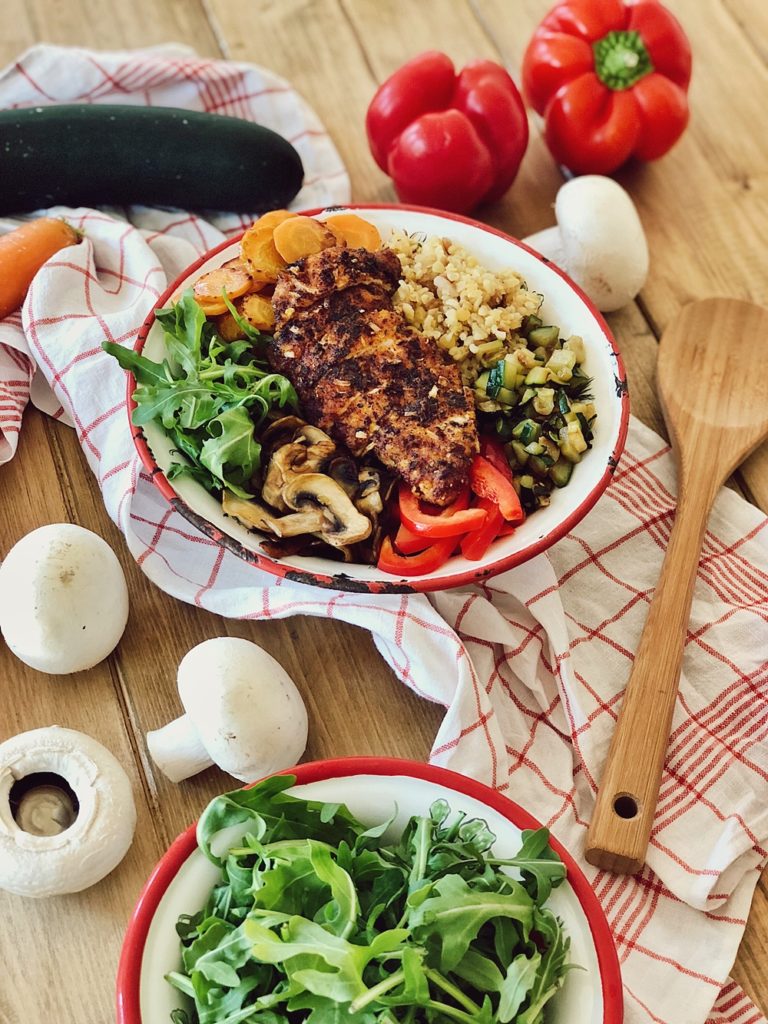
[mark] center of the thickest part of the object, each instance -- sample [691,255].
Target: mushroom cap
[99,837]
[63,599]
[244,705]
[602,239]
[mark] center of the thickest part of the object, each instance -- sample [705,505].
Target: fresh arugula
[319,919]
[210,395]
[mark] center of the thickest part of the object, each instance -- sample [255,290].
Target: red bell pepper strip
[489,482]
[451,141]
[610,79]
[452,521]
[475,544]
[429,560]
[409,543]
[493,450]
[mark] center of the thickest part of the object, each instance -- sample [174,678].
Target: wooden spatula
[713,385]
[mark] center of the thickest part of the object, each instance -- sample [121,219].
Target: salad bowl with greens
[367,891]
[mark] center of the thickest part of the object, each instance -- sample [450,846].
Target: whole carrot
[22,253]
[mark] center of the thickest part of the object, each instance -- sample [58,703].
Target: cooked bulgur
[470,311]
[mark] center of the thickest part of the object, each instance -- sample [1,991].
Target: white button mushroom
[599,240]
[48,844]
[243,713]
[63,599]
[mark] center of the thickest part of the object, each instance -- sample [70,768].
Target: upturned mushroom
[63,599]
[242,712]
[308,452]
[599,240]
[67,815]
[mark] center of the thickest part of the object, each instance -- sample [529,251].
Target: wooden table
[705,211]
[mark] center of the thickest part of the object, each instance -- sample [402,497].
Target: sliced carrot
[259,252]
[302,236]
[272,219]
[22,253]
[355,232]
[228,328]
[258,311]
[233,278]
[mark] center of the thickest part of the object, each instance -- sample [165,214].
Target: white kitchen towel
[530,666]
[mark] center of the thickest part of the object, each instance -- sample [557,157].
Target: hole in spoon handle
[618,833]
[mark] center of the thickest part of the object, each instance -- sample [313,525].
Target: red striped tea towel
[530,667]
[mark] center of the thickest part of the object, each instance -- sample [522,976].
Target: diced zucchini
[538,375]
[544,402]
[528,394]
[519,452]
[481,384]
[534,448]
[575,344]
[495,379]
[527,482]
[563,402]
[561,472]
[506,397]
[513,378]
[503,427]
[530,323]
[538,466]
[545,336]
[561,363]
[572,442]
[526,431]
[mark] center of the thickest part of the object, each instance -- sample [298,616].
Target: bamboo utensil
[713,384]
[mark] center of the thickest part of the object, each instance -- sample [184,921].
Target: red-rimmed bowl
[564,304]
[373,789]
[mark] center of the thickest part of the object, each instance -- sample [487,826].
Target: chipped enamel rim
[150,944]
[549,525]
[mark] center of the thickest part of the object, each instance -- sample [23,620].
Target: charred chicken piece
[365,376]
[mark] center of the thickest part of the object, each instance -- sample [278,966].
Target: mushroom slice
[309,451]
[343,470]
[343,523]
[312,520]
[248,513]
[282,431]
[368,499]
[320,447]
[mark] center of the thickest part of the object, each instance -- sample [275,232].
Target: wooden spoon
[713,385]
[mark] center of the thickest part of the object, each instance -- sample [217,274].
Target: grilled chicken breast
[366,377]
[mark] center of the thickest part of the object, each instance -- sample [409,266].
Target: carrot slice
[302,236]
[258,311]
[355,232]
[271,219]
[228,328]
[23,251]
[233,278]
[261,256]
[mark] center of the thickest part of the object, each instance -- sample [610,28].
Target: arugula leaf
[320,919]
[209,395]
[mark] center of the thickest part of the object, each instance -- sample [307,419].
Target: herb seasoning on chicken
[368,378]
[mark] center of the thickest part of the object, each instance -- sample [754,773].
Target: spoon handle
[626,802]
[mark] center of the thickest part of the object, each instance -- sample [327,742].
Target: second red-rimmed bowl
[564,304]
[373,789]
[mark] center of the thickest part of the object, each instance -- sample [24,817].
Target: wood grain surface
[705,210]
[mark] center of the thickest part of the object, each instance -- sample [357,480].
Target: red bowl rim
[132,953]
[386,585]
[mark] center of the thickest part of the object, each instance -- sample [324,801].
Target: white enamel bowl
[564,304]
[372,788]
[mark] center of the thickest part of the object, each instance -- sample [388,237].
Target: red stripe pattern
[531,665]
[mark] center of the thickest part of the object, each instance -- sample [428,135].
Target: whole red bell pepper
[447,140]
[610,78]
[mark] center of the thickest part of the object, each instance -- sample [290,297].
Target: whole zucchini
[93,155]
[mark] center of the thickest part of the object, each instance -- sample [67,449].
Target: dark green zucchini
[96,155]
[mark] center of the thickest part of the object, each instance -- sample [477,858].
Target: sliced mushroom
[343,523]
[308,452]
[281,431]
[343,470]
[248,513]
[368,499]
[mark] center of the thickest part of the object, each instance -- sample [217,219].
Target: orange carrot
[301,236]
[272,219]
[233,278]
[258,311]
[354,231]
[262,258]
[22,253]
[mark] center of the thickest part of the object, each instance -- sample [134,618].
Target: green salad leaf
[317,918]
[210,395]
